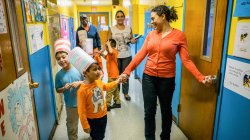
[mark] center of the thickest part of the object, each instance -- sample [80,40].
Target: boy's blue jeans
[163,88]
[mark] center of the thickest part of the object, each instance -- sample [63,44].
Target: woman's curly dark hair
[170,14]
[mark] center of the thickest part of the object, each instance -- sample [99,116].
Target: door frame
[50,73]
[223,68]
[79,13]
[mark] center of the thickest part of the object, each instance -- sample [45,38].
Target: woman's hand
[133,40]
[123,77]
[208,80]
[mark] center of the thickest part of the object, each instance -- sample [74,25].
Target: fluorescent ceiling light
[95,2]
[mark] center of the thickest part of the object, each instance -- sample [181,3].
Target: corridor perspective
[183,67]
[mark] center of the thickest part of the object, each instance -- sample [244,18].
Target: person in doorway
[92,107]
[93,34]
[67,81]
[113,74]
[123,36]
[161,46]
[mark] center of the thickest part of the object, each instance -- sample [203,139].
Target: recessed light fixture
[95,2]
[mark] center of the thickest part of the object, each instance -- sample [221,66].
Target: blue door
[40,68]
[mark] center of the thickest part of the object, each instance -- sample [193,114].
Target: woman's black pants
[163,88]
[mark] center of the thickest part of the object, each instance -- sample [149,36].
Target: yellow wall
[179,6]
[233,30]
[70,11]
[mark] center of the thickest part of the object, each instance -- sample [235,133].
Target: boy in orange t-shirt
[113,73]
[92,107]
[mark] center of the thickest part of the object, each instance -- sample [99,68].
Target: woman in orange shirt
[161,46]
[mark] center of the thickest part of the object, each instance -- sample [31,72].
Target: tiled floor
[126,123]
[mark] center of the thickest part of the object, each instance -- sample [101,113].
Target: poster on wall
[35,10]
[242,40]
[242,8]
[36,38]
[3,27]
[16,111]
[237,77]
[64,27]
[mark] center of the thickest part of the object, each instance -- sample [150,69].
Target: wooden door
[101,22]
[14,64]
[198,103]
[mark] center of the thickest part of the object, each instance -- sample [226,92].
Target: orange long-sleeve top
[161,53]
[112,64]
[91,101]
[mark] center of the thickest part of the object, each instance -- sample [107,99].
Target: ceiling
[109,2]
[94,2]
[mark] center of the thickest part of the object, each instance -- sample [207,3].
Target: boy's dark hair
[170,14]
[112,43]
[87,70]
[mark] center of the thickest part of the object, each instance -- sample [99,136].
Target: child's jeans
[98,127]
[72,122]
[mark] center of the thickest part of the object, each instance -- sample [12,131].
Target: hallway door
[101,22]
[41,72]
[198,103]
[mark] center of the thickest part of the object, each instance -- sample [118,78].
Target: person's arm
[98,40]
[133,40]
[187,62]
[77,39]
[82,111]
[109,86]
[138,57]
[109,33]
[110,50]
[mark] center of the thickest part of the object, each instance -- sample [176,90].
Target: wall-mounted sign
[242,40]
[3,27]
[242,8]
[237,77]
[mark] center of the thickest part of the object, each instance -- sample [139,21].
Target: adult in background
[161,46]
[92,33]
[123,36]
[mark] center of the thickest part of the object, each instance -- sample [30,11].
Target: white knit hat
[62,45]
[80,59]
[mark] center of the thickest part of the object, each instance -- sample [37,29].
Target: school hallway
[125,123]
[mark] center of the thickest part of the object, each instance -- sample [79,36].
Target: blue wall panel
[234,120]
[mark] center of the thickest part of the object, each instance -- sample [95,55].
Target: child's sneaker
[115,105]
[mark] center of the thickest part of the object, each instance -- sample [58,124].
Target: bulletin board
[35,10]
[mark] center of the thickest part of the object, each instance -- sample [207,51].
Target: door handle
[33,85]
[216,81]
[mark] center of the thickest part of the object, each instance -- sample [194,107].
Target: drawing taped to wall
[16,111]
[242,40]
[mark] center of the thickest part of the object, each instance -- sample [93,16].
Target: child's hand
[87,130]
[122,78]
[67,86]
[76,84]
[108,43]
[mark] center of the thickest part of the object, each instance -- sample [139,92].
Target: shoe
[109,108]
[127,97]
[115,105]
